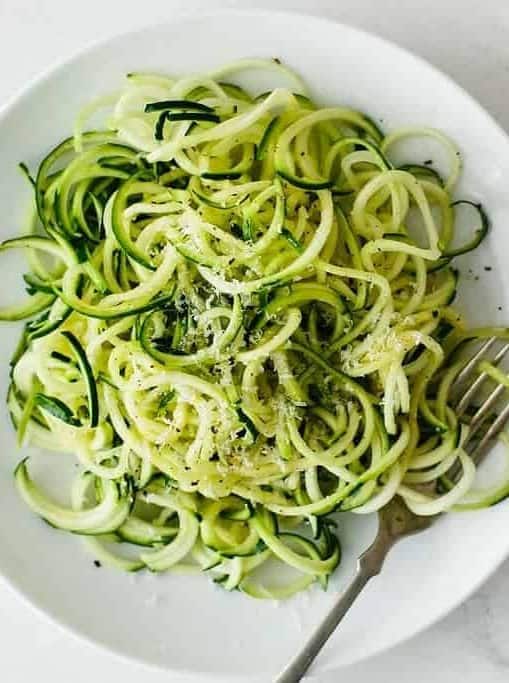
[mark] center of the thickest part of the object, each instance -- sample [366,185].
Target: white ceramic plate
[186,624]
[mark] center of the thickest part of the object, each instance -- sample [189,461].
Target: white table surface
[467,39]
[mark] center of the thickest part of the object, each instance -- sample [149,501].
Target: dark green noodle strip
[88,377]
[182,116]
[193,116]
[165,105]
[159,127]
[26,172]
[227,175]
[479,235]
[46,324]
[292,240]
[426,172]
[239,321]
[56,408]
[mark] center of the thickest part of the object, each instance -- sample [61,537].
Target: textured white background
[467,39]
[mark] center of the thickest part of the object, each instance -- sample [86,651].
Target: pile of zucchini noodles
[239,322]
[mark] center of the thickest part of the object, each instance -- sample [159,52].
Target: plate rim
[180,16]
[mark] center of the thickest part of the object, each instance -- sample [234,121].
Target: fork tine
[483,412]
[474,387]
[482,448]
[472,363]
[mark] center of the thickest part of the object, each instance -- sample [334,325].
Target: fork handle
[295,670]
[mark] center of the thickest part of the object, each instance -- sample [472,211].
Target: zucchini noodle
[239,322]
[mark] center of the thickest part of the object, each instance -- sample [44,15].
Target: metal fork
[395,520]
